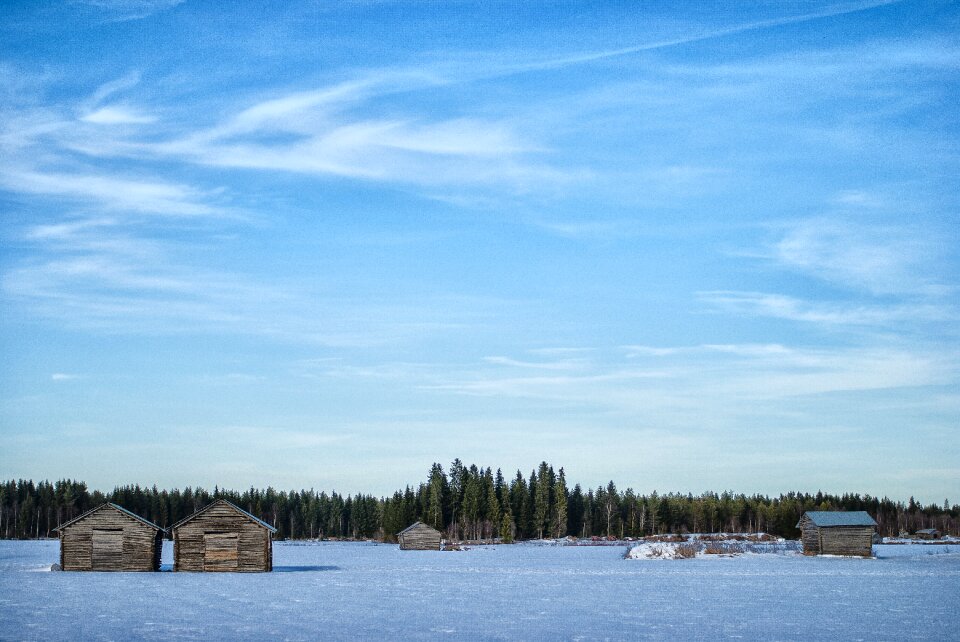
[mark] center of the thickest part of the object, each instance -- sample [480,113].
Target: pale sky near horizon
[679,246]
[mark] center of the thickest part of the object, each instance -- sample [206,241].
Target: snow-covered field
[347,591]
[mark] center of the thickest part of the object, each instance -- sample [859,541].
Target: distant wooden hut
[222,537]
[837,533]
[110,538]
[927,533]
[419,537]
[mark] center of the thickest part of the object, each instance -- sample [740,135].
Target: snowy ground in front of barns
[349,591]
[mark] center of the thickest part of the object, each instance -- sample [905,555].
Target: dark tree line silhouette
[469,503]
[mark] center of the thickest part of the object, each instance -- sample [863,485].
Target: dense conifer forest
[469,503]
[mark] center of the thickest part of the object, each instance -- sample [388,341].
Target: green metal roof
[840,518]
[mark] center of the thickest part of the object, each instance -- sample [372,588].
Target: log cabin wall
[222,538]
[419,537]
[809,536]
[107,539]
[847,540]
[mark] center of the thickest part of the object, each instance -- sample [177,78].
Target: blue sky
[679,246]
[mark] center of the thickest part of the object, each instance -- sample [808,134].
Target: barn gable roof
[417,525]
[123,510]
[827,518]
[223,502]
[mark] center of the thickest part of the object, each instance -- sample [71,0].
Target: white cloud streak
[680,386]
[876,258]
[595,56]
[115,193]
[790,308]
[107,89]
[124,10]
[323,132]
[117,115]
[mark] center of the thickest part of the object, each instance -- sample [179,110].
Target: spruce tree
[471,506]
[611,506]
[507,527]
[518,500]
[500,486]
[529,508]
[575,510]
[492,517]
[457,473]
[541,499]
[435,497]
[559,526]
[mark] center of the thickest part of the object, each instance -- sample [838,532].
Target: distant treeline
[470,503]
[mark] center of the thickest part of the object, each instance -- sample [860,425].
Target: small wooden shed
[110,538]
[222,537]
[837,533]
[927,533]
[419,537]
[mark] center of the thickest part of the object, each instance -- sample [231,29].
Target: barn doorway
[221,551]
[106,552]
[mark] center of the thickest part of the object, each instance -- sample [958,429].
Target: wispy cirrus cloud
[111,191]
[329,131]
[124,10]
[564,364]
[118,115]
[110,88]
[881,259]
[843,313]
[709,34]
[105,274]
[674,385]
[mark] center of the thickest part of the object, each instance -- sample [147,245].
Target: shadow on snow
[303,569]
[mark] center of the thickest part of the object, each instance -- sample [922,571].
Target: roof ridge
[117,507]
[219,501]
[417,523]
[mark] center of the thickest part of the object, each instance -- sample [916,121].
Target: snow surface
[341,591]
[700,545]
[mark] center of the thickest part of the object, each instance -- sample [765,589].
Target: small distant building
[927,533]
[837,533]
[419,537]
[110,538]
[222,537]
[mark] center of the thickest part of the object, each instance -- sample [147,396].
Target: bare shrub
[686,551]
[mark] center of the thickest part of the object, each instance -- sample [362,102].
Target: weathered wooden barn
[110,538]
[419,537]
[222,537]
[837,533]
